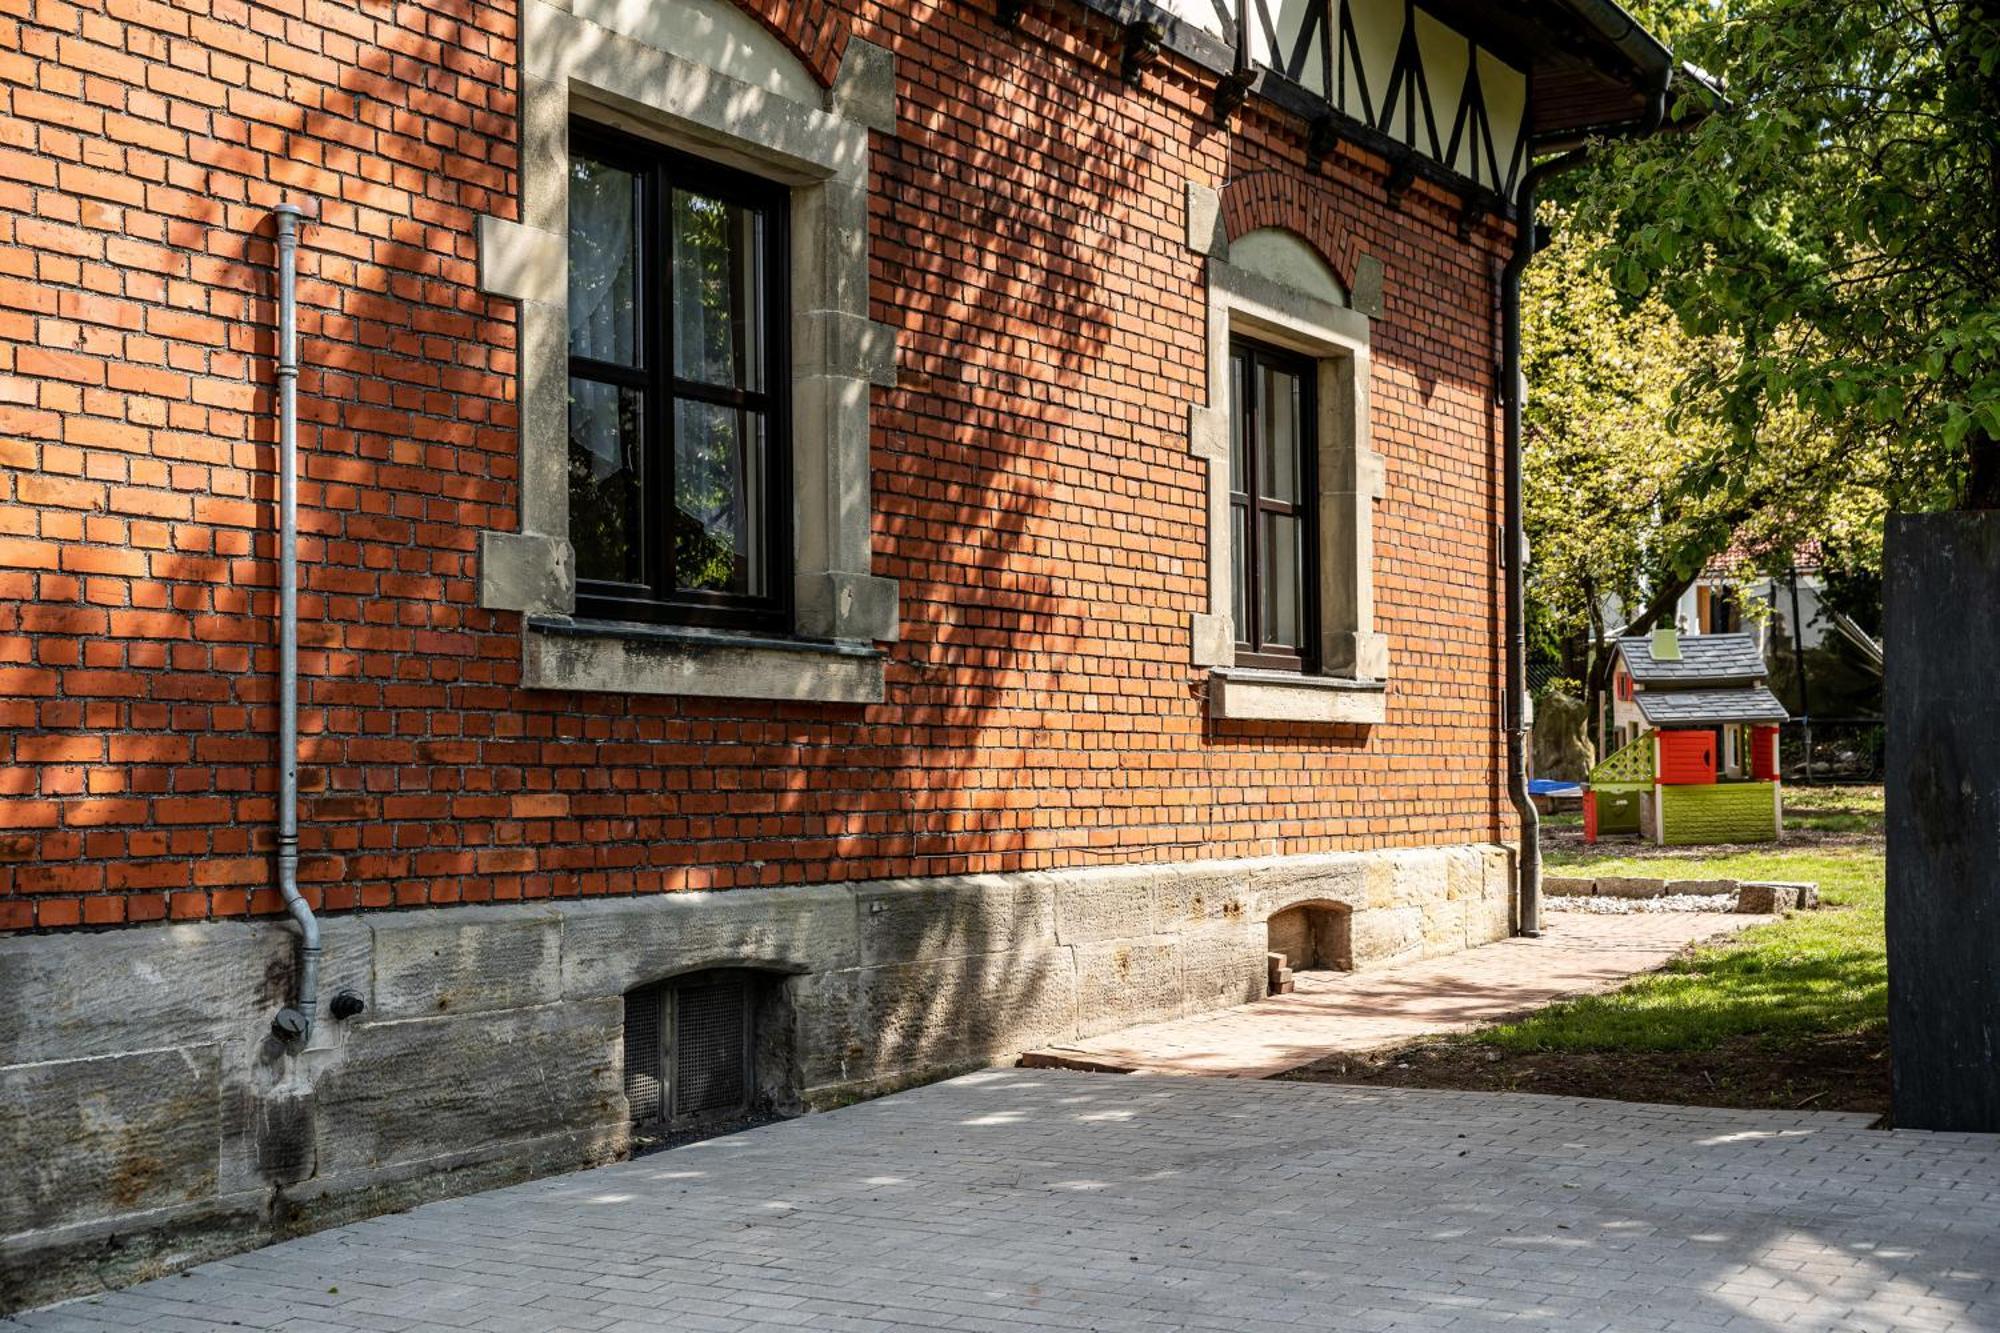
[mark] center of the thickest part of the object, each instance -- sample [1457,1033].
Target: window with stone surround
[740,564]
[679,490]
[1300,646]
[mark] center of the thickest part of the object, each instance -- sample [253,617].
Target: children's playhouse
[1700,759]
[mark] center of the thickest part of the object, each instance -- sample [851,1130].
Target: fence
[1842,749]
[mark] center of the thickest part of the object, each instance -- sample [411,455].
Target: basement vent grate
[711,1046]
[644,1077]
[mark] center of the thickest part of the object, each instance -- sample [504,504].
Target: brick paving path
[1018,1200]
[1578,954]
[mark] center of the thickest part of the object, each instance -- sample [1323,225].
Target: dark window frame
[1246,499]
[659,170]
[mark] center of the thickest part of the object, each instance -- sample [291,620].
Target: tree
[1632,484]
[1838,224]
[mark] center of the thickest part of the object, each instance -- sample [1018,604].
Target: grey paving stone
[1023,1201]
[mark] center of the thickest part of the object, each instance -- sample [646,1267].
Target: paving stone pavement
[1018,1200]
[1577,954]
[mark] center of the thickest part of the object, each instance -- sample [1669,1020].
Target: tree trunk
[1982,486]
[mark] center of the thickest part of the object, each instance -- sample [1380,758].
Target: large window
[677,428]
[1272,494]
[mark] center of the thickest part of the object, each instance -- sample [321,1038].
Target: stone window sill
[1241,694]
[626,658]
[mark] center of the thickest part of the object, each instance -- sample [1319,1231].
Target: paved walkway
[1016,1200]
[1579,953]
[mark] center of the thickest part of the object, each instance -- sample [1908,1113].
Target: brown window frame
[1246,498]
[654,598]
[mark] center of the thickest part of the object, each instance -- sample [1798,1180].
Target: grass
[1834,809]
[1822,972]
[1793,1013]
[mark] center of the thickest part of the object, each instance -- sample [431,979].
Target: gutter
[1612,22]
[294,1023]
[1529,238]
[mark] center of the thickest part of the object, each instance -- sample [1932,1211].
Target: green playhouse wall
[1618,808]
[1620,782]
[1724,812]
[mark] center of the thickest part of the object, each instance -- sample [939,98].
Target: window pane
[1282,581]
[1239,577]
[1239,373]
[1279,431]
[606,480]
[719,532]
[717,249]
[603,262]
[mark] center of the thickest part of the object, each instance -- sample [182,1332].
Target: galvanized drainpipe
[294,1023]
[1527,240]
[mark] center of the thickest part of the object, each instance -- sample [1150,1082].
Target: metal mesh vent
[711,1046]
[643,1075]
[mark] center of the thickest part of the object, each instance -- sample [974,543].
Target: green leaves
[1837,225]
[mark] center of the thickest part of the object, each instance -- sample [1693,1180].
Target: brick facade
[1034,492]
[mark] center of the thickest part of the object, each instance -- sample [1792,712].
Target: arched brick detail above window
[812,30]
[1280,199]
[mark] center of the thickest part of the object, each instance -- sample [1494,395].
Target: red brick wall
[1034,490]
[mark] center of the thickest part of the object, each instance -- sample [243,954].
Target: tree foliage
[1838,222]
[1632,486]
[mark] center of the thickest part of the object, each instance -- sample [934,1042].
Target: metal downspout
[295,1023]
[1527,240]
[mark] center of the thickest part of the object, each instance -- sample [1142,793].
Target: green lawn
[1834,809]
[1813,973]
[1789,1014]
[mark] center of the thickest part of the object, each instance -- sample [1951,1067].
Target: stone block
[1205,232]
[466,960]
[1121,983]
[1105,905]
[828,1038]
[72,996]
[1701,887]
[1189,896]
[1224,963]
[1385,933]
[922,1015]
[1565,886]
[1767,898]
[1491,918]
[865,89]
[526,571]
[906,921]
[425,1088]
[1346,879]
[612,945]
[1630,886]
[88,1139]
[1805,891]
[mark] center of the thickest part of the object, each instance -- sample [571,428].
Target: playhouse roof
[1706,659]
[1708,708]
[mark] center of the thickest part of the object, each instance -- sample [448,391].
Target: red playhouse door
[1764,753]
[1687,758]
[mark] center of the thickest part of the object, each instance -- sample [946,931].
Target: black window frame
[1246,498]
[659,170]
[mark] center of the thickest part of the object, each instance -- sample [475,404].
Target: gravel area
[1672,902]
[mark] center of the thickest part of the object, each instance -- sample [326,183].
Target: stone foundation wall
[148,1119]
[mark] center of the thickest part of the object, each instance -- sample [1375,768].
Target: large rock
[1561,749]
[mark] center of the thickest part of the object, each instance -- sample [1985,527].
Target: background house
[837,542]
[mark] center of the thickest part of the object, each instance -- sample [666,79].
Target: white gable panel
[1207,15]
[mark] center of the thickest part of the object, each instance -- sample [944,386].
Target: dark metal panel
[1943,819]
